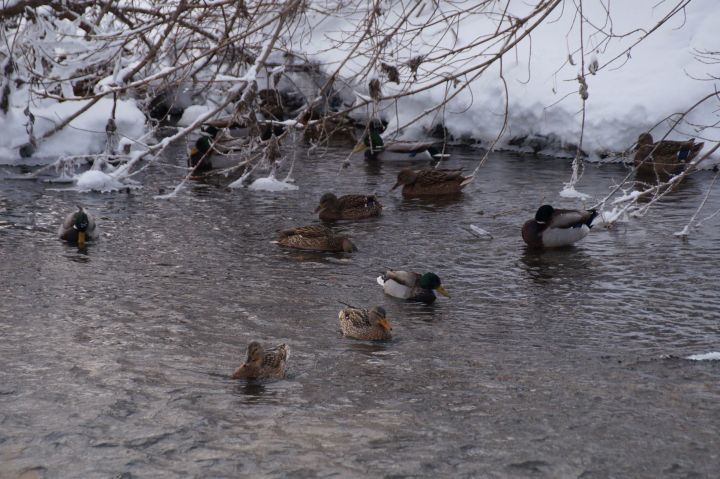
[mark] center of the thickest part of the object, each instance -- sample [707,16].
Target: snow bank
[628,94]
[84,135]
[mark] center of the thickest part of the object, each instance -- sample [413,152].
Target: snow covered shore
[637,77]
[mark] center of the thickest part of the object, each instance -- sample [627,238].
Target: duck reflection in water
[569,263]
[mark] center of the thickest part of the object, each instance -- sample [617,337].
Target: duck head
[327,201]
[645,139]
[432,281]
[379,317]
[203,144]
[81,226]
[544,213]
[253,361]
[405,177]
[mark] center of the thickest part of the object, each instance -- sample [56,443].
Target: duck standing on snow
[263,363]
[665,157]
[348,207]
[78,227]
[315,238]
[371,325]
[553,228]
[431,182]
[412,286]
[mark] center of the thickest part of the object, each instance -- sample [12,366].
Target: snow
[627,95]
[84,135]
[713,356]
[271,184]
[192,113]
[96,180]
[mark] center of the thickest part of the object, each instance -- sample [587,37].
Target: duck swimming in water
[348,207]
[412,286]
[315,238]
[552,228]
[365,324]
[78,227]
[664,157]
[263,363]
[431,182]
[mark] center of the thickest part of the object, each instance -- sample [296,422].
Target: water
[115,362]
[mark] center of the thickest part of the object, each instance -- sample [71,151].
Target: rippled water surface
[115,362]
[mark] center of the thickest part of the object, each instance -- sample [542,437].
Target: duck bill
[359,148]
[194,151]
[317,210]
[81,239]
[395,186]
[442,291]
[383,323]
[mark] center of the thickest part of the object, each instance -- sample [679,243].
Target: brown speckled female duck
[348,207]
[666,157]
[315,238]
[261,363]
[365,324]
[431,182]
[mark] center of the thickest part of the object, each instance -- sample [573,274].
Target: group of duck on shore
[550,228]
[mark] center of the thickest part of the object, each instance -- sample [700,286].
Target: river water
[115,362]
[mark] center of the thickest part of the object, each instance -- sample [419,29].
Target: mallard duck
[78,227]
[347,207]
[431,182]
[365,324]
[200,154]
[315,237]
[411,286]
[375,149]
[261,363]
[553,228]
[666,156]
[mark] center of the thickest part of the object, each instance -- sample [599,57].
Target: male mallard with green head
[348,207]
[431,182]
[200,153]
[552,228]
[412,286]
[315,238]
[666,156]
[78,227]
[263,363]
[371,325]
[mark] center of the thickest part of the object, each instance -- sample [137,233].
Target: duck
[370,325]
[431,182]
[315,238]
[78,227]
[263,363]
[412,286]
[375,149]
[666,157]
[552,228]
[348,207]
[200,154]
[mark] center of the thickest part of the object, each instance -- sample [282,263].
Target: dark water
[115,362]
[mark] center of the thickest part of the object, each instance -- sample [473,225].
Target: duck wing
[358,318]
[275,358]
[571,218]
[406,278]
[311,231]
[357,201]
[433,177]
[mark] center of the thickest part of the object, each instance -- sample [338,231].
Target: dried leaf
[391,72]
